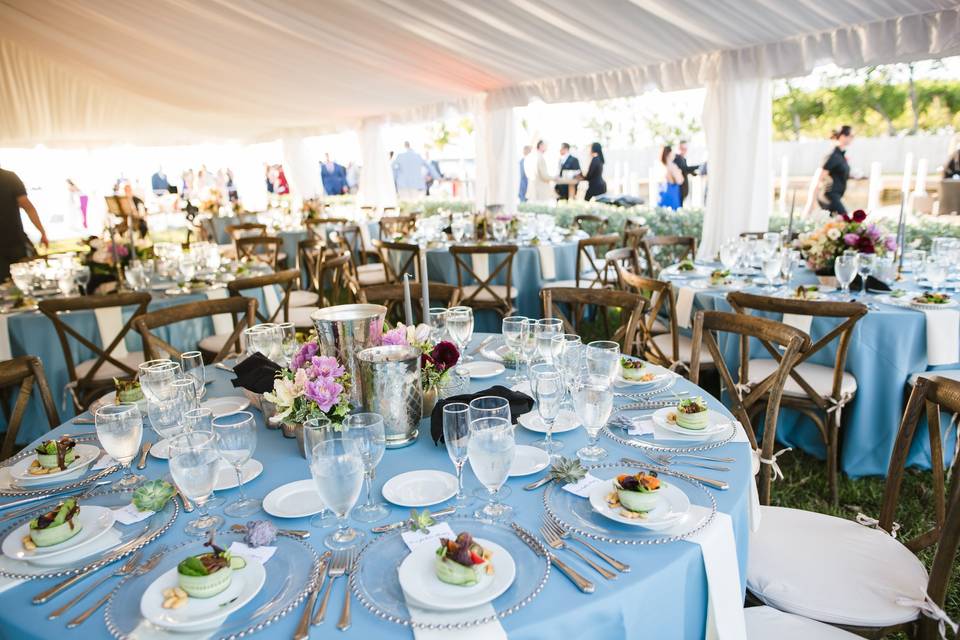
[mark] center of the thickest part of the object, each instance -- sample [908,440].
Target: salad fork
[146,567]
[123,571]
[553,539]
[563,533]
[336,568]
[667,459]
[344,622]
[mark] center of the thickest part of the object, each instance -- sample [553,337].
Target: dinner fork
[563,533]
[667,459]
[337,567]
[344,622]
[146,567]
[123,571]
[553,539]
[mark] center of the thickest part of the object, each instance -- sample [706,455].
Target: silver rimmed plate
[718,425]
[84,456]
[616,431]
[672,507]
[8,487]
[91,523]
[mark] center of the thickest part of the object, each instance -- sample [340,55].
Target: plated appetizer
[54,527]
[462,562]
[691,413]
[53,455]
[720,277]
[204,575]
[633,370]
[807,292]
[932,298]
[635,494]
[128,391]
[686,265]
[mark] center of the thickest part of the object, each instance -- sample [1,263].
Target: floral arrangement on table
[436,360]
[104,254]
[212,202]
[847,232]
[311,387]
[311,208]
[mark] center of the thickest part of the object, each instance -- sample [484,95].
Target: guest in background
[280,185]
[671,181]
[952,168]
[186,187]
[680,159]
[567,163]
[594,175]
[523,174]
[79,199]
[159,183]
[14,244]
[232,194]
[139,209]
[333,176]
[410,170]
[433,173]
[538,177]
[836,169]
[268,173]
[353,177]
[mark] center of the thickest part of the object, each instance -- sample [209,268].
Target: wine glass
[528,343]
[771,265]
[489,407]
[191,363]
[593,402]
[312,430]
[194,465]
[456,436]
[935,271]
[511,328]
[459,322]
[845,270]
[545,330]
[188,269]
[236,440]
[288,341]
[120,430]
[168,415]
[337,468]
[490,451]
[81,275]
[568,358]
[549,391]
[790,260]
[603,359]
[367,430]
[730,254]
[155,377]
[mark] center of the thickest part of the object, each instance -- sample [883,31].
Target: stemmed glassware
[730,254]
[287,332]
[437,319]
[312,430]
[489,407]
[568,358]
[528,343]
[511,329]
[490,451]
[545,330]
[460,328]
[549,391]
[155,377]
[456,436]
[603,359]
[237,440]
[336,465]
[865,265]
[935,269]
[191,363]
[81,276]
[845,270]
[772,264]
[194,465]
[367,430]
[593,402]
[120,430]
[789,261]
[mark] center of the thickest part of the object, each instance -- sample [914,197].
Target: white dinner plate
[717,423]
[85,455]
[94,522]
[704,284]
[421,488]
[227,477]
[161,449]
[698,270]
[483,368]
[527,460]
[420,581]
[671,509]
[294,500]
[566,421]
[225,406]
[201,613]
[928,306]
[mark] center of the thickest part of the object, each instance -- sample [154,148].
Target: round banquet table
[665,593]
[888,345]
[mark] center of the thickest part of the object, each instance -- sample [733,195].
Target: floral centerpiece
[436,360]
[846,232]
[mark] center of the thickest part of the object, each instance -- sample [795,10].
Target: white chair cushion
[214,343]
[585,283]
[300,298]
[485,296]
[659,327]
[369,274]
[665,342]
[300,317]
[108,369]
[832,570]
[764,623]
[818,376]
[950,374]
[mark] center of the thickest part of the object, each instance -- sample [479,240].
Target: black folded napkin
[875,284]
[520,403]
[256,373]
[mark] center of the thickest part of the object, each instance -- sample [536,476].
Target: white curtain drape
[377,188]
[497,156]
[737,122]
[301,168]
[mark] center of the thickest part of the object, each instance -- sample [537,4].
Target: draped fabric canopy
[171,71]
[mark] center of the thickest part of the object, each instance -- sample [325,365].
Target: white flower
[833,234]
[421,334]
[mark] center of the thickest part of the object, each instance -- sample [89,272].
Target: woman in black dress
[836,168]
[594,175]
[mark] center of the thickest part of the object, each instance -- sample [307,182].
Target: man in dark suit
[687,169]
[567,163]
[333,176]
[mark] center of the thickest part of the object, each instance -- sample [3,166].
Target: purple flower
[395,337]
[890,243]
[873,232]
[326,367]
[325,392]
[305,355]
[851,239]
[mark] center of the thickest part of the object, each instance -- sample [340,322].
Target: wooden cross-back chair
[246,230]
[672,248]
[310,253]
[265,249]
[90,378]
[817,391]
[485,294]
[633,236]
[367,263]
[408,259]
[391,296]
[23,373]
[605,301]
[627,258]
[286,280]
[321,228]
[243,312]
[592,269]
[393,226]
[793,341]
[591,223]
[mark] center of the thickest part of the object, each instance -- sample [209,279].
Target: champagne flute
[549,391]
[120,430]
[236,441]
[490,450]
[603,359]
[568,356]
[312,430]
[545,329]
[194,465]
[511,328]
[456,436]
[288,341]
[191,364]
[460,327]
[845,270]
[438,323]
[367,430]
[593,402]
[337,468]
[528,343]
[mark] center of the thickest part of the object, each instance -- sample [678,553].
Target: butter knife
[144,450]
[582,583]
[536,484]
[302,631]
[482,344]
[399,525]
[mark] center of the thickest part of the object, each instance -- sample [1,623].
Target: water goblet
[237,440]
[603,359]
[456,436]
[81,276]
[156,377]
[549,391]
[120,430]
[490,451]
[459,322]
[845,270]
[771,265]
[935,270]
[865,266]
[312,430]
[437,319]
[337,468]
[593,403]
[194,465]
[368,432]
[545,330]
[489,407]
[511,329]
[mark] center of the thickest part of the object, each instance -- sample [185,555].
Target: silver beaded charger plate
[616,430]
[577,515]
[291,574]
[9,488]
[376,583]
[119,542]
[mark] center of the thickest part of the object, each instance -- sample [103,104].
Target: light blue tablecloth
[664,596]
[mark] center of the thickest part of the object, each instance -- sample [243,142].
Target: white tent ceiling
[166,71]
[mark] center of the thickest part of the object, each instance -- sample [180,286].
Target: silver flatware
[667,459]
[146,567]
[298,534]
[722,485]
[345,621]
[399,525]
[125,569]
[697,456]
[566,535]
[83,420]
[144,450]
[32,499]
[303,627]
[337,568]
[581,583]
[536,484]
[482,344]
[553,539]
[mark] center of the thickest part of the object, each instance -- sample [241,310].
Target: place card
[414,539]
[130,514]
[641,427]
[257,554]
[104,462]
[582,487]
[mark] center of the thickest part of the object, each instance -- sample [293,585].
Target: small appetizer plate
[419,580]
[421,488]
[927,306]
[671,509]
[93,520]
[483,369]
[161,449]
[294,500]
[717,423]
[527,460]
[698,270]
[225,406]
[111,398]
[227,477]
[661,375]
[566,421]
[85,455]
[201,613]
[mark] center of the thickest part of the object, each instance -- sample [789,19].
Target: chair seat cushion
[833,570]
[950,374]
[300,317]
[300,298]
[369,274]
[818,376]
[585,283]
[485,296]
[214,343]
[659,327]
[665,343]
[109,370]
[764,623]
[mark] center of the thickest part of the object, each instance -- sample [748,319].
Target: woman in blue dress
[672,179]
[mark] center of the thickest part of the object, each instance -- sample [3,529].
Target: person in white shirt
[539,180]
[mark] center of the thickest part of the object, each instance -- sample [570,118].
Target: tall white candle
[784,178]
[407,304]
[907,173]
[424,283]
[920,188]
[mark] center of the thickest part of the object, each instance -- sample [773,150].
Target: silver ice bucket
[346,330]
[390,385]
